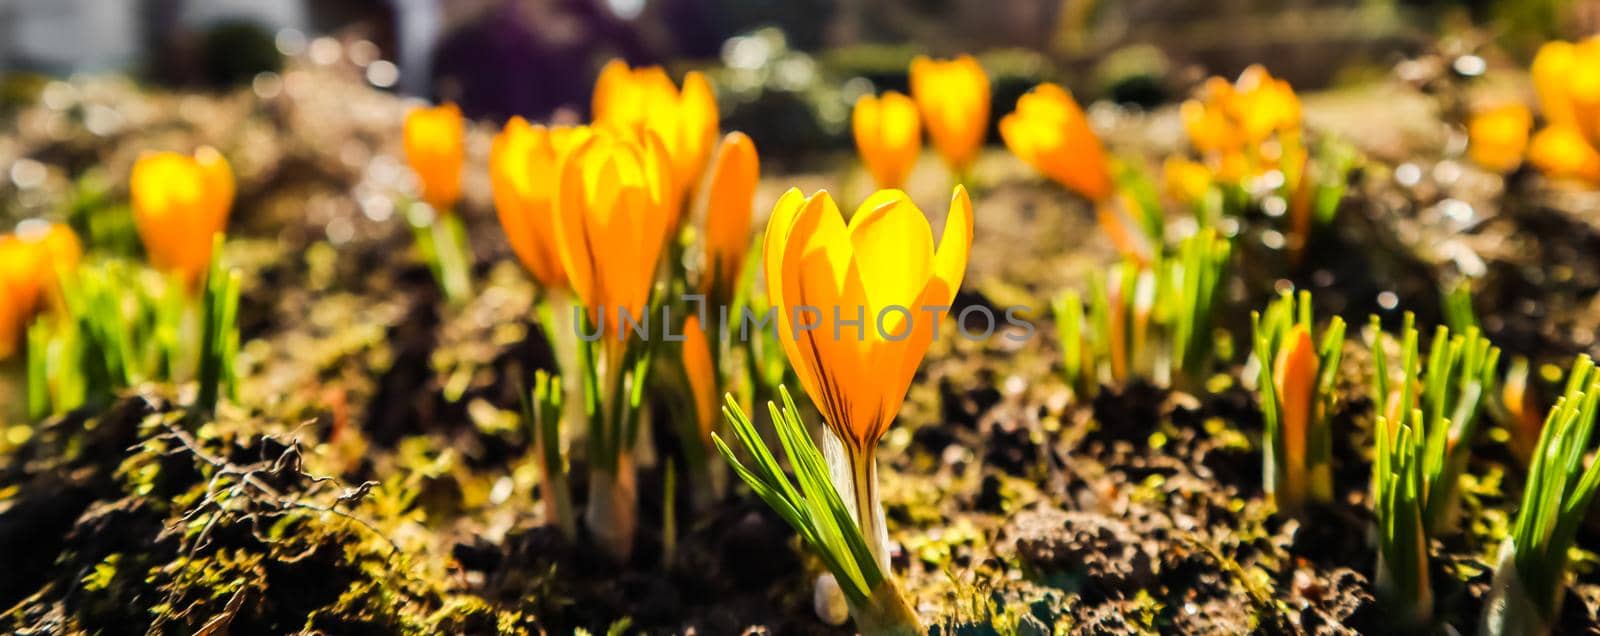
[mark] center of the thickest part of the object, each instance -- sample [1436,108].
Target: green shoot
[541,417]
[125,325]
[1295,382]
[1455,385]
[219,340]
[1196,289]
[1398,484]
[1525,597]
[815,510]
[1148,322]
[441,240]
[1077,361]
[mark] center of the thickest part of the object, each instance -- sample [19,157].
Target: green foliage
[1152,322]
[1560,487]
[441,239]
[1296,473]
[1459,375]
[541,417]
[125,325]
[1196,277]
[814,509]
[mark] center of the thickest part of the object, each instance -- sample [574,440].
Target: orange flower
[698,367]
[953,96]
[879,264]
[611,224]
[436,152]
[1049,131]
[524,169]
[32,263]
[728,200]
[1562,152]
[1229,123]
[1567,78]
[1295,377]
[636,101]
[180,204]
[1498,136]
[888,133]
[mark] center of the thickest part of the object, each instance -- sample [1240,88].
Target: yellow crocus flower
[436,151]
[1263,105]
[888,134]
[1498,136]
[32,263]
[611,224]
[1049,131]
[640,100]
[524,162]
[728,199]
[857,307]
[1566,76]
[953,96]
[883,261]
[1228,123]
[1552,71]
[180,203]
[1562,152]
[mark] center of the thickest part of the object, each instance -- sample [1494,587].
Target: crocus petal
[955,245]
[1294,374]
[702,376]
[729,197]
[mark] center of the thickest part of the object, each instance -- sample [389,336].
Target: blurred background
[786,70]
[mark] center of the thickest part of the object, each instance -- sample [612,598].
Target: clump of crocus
[1150,322]
[1248,133]
[725,203]
[611,227]
[436,149]
[33,262]
[1565,75]
[1423,443]
[823,275]
[1295,384]
[1049,131]
[1456,383]
[179,204]
[123,326]
[1497,137]
[1525,596]
[636,101]
[1231,123]
[857,306]
[888,134]
[953,97]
